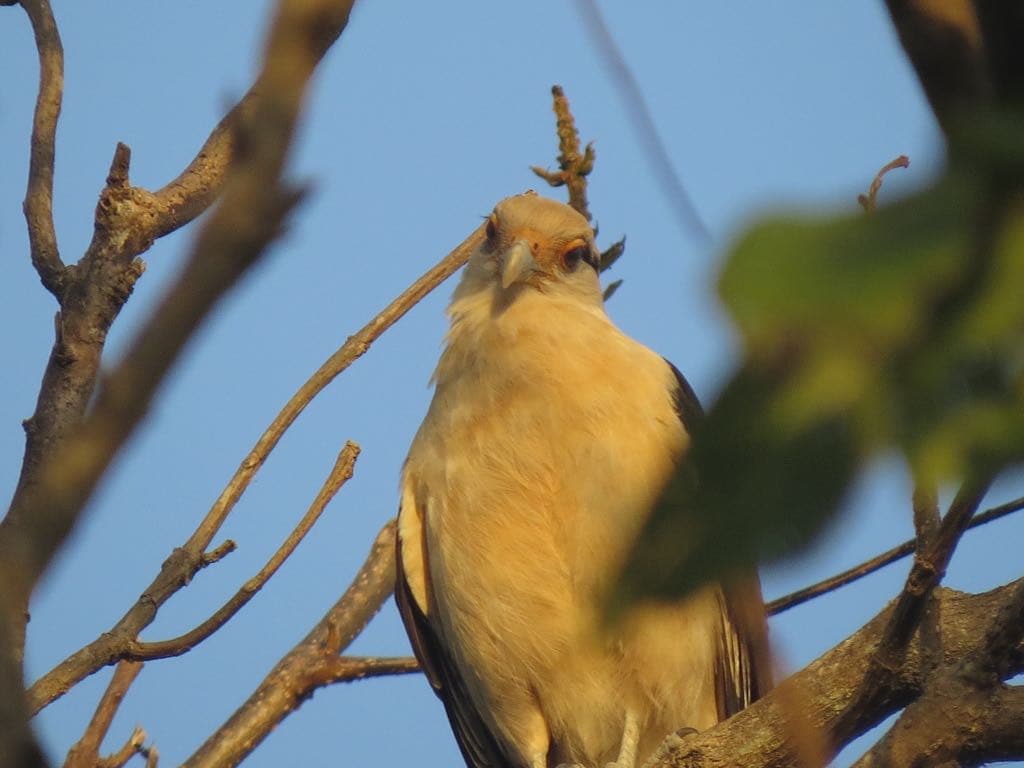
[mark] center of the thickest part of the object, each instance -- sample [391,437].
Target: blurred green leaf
[754,487]
[903,329]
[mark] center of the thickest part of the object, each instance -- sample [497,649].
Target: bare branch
[354,347]
[637,110]
[574,165]
[185,561]
[86,752]
[250,217]
[830,687]
[930,562]
[39,197]
[340,473]
[312,663]
[217,554]
[128,220]
[346,669]
[869,202]
[878,562]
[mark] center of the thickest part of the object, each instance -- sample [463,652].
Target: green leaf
[755,485]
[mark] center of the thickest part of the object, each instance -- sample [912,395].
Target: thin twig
[135,745]
[878,562]
[38,204]
[945,44]
[869,202]
[86,752]
[312,663]
[346,669]
[636,108]
[340,473]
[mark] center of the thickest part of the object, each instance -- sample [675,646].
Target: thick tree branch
[829,687]
[312,663]
[952,723]
[340,473]
[38,204]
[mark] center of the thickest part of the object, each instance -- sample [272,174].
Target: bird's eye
[492,228]
[571,258]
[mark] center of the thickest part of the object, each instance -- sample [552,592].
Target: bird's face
[534,243]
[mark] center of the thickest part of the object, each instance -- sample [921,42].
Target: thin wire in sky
[636,106]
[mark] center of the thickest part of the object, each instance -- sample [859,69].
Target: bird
[547,443]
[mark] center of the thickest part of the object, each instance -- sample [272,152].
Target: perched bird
[549,438]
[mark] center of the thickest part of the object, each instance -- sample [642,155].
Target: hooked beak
[517,264]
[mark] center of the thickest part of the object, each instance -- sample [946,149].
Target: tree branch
[312,663]
[86,752]
[345,669]
[128,219]
[829,687]
[251,215]
[340,473]
[930,562]
[954,722]
[183,563]
[38,204]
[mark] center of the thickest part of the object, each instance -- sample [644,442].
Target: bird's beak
[517,264]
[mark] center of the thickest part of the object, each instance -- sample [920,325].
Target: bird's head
[534,243]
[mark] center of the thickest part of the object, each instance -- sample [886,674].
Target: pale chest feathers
[548,425]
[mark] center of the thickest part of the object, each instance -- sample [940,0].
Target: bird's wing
[743,662]
[479,747]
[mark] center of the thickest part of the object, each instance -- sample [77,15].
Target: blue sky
[420,119]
